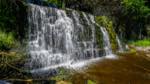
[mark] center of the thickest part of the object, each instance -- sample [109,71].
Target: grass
[143,43]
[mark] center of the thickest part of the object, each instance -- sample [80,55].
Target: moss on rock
[108,24]
[99,38]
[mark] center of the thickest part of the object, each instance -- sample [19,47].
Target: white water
[107,44]
[57,38]
[119,44]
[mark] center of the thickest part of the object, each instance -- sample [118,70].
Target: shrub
[7,41]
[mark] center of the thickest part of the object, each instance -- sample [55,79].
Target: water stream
[119,44]
[107,44]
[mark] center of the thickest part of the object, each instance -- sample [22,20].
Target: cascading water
[62,38]
[107,44]
[119,44]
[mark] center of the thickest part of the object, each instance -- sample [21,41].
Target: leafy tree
[134,18]
[13,17]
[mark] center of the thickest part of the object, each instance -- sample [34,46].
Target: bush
[7,41]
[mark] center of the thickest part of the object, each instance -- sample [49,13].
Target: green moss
[63,74]
[90,82]
[99,38]
[108,24]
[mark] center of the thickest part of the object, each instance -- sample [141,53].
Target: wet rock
[4,82]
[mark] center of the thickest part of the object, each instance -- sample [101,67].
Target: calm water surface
[133,68]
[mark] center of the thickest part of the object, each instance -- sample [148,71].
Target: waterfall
[107,44]
[119,44]
[62,37]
